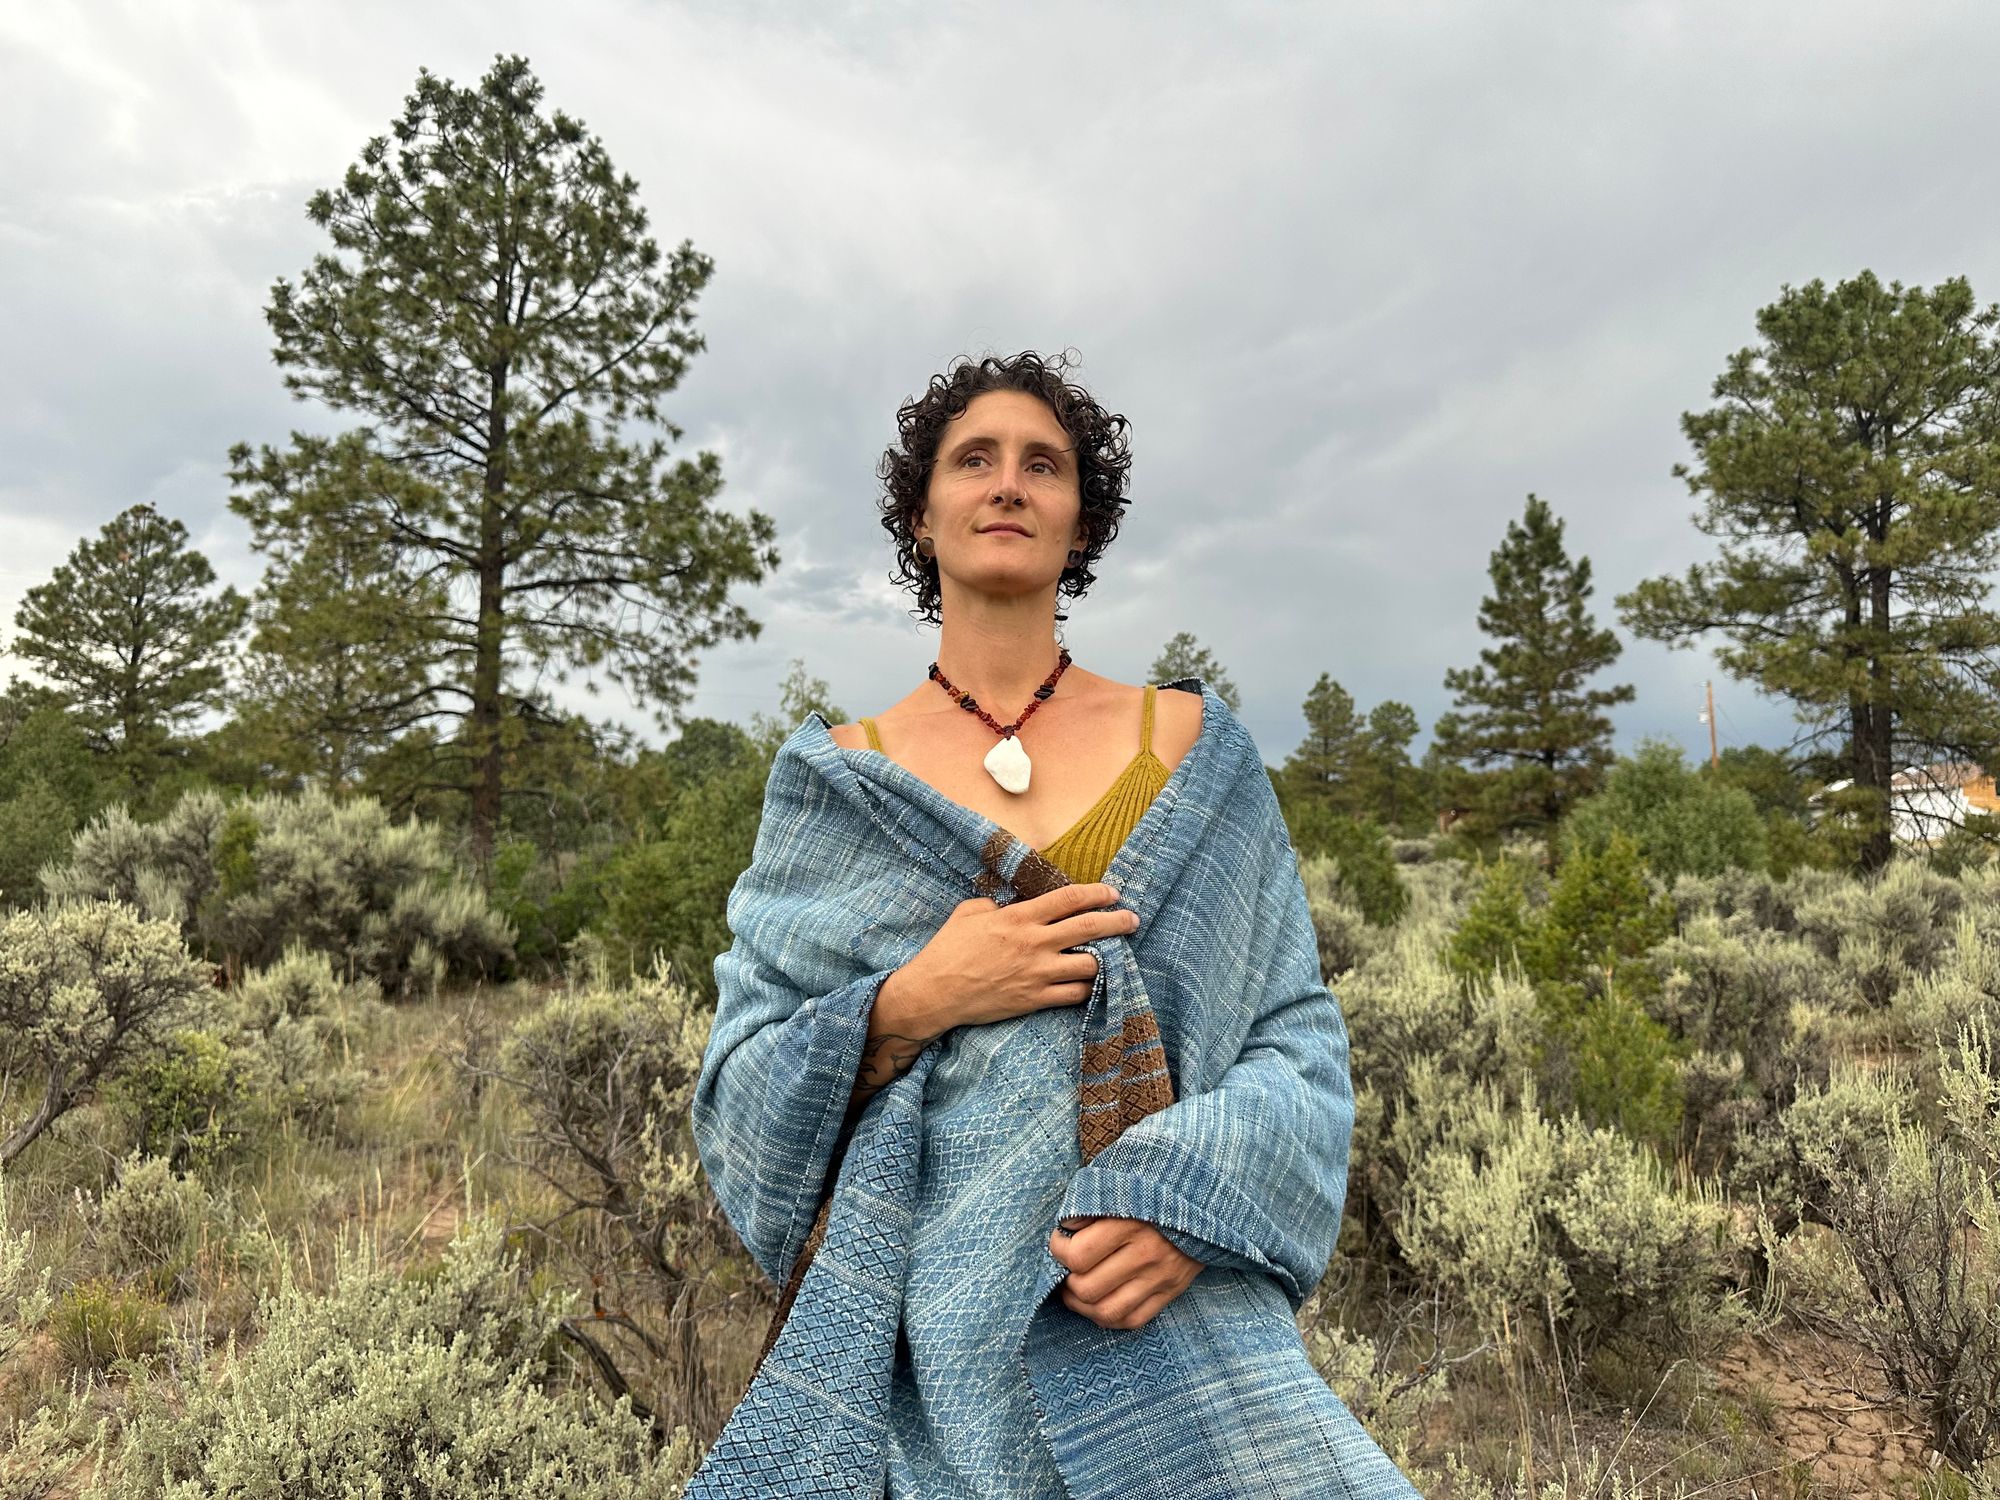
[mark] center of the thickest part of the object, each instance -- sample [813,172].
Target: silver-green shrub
[1740,899]
[149,1224]
[1913,1276]
[1588,1476]
[607,1076]
[25,1272]
[446,1384]
[1963,989]
[1883,931]
[1837,1129]
[251,880]
[167,869]
[268,1055]
[1395,1408]
[300,984]
[85,989]
[1753,1008]
[1440,891]
[1417,1036]
[1527,1222]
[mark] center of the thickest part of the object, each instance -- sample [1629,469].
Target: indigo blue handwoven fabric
[999,1148]
[856,865]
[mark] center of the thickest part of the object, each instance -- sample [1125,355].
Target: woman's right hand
[989,962]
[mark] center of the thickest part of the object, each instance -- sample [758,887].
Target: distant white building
[1927,802]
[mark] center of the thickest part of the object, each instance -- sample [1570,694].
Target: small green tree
[1365,869]
[50,784]
[1586,952]
[1683,821]
[1525,709]
[1386,781]
[132,632]
[1326,765]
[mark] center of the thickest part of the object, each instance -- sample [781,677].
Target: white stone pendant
[1007,763]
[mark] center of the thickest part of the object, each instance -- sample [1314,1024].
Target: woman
[1013,1054]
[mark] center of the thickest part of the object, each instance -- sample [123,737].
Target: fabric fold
[1210,1068]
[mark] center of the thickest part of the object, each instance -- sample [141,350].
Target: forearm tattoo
[884,1059]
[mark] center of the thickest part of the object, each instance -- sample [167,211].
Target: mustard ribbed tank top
[1086,848]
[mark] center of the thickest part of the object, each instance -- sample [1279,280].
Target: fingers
[1114,1313]
[1066,900]
[1126,1264]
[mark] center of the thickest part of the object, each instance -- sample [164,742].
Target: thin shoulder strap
[874,739]
[1146,741]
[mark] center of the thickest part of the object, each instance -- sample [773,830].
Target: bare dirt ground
[1829,1410]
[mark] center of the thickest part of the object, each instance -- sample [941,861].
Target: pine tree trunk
[488,763]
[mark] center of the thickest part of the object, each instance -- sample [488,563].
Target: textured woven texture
[857,863]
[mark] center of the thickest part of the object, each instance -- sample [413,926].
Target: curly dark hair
[1103,457]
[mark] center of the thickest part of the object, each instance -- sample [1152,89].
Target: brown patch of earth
[1829,1408]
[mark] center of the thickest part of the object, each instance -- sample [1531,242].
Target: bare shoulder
[1176,724]
[848,736]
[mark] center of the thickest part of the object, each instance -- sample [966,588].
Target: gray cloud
[1362,277]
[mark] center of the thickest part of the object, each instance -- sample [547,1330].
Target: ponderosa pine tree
[339,662]
[1389,785]
[133,634]
[1326,766]
[499,321]
[1851,469]
[1523,717]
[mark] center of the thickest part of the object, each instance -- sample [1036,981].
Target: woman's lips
[1004,530]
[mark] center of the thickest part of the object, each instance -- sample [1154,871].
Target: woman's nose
[1008,485]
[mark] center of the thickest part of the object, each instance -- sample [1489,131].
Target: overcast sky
[1362,276]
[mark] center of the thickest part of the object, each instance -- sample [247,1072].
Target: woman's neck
[1000,658]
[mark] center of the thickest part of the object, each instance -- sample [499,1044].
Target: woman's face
[1004,462]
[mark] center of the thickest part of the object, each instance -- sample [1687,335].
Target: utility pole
[1708,718]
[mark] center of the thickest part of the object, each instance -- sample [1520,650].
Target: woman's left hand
[1121,1271]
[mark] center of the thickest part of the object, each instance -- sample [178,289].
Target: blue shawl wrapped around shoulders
[1240,1157]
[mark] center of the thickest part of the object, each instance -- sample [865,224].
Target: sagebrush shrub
[1963,989]
[251,880]
[1838,1128]
[1916,1276]
[1416,1033]
[1741,900]
[299,984]
[1735,989]
[607,1075]
[1751,1008]
[452,1383]
[1526,1222]
[25,1272]
[1883,930]
[149,1224]
[85,989]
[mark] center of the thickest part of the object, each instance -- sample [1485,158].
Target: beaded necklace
[1006,762]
